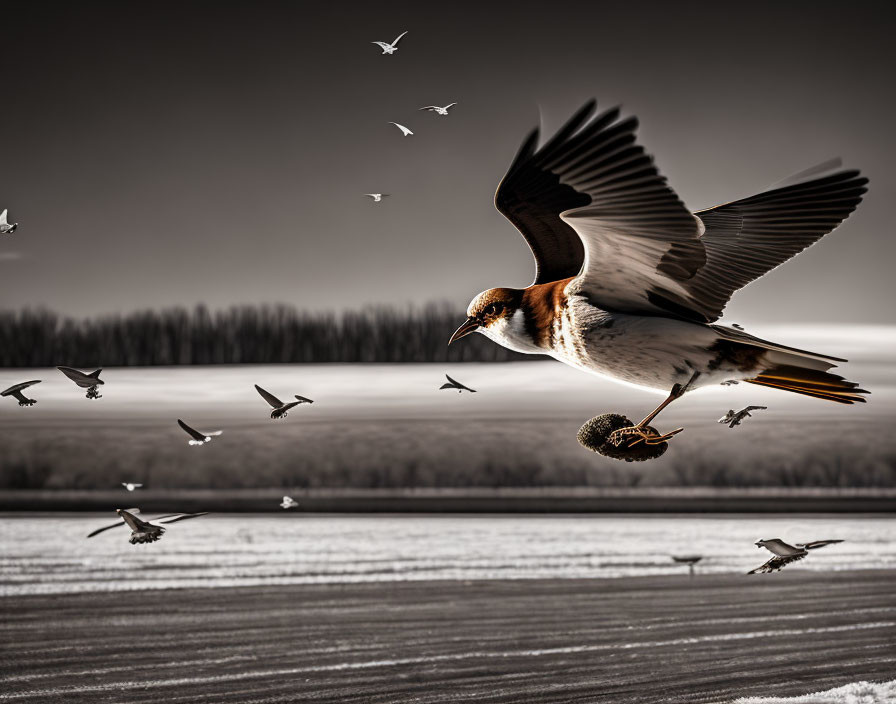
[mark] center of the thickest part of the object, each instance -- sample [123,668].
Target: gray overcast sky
[162,153]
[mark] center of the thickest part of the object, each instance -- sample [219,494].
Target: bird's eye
[494,309]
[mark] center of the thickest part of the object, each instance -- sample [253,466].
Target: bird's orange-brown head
[491,311]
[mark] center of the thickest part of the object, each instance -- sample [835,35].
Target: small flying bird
[437,110]
[85,381]
[629,283]
[733,417]
[16,392]
[5,227]
[377,197]
[390,48]
[280,408]
[404,130]
[288,502]
[784,554]
[144,531]
[454,384]
[689,560]
[130,486]
[197,437]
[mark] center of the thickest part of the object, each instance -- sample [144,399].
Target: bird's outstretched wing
[181,516]
[817,544]
[381,45]
[450,105]
[447,386]
[591,204]
[430,107]
[80,378]
[777,562]
[192,432]
[100,530]
[15,389]
[272,400]
[395,41]
[403,129]
[302,399]
[457,385]
[3,220]
[755,408]
[291,404]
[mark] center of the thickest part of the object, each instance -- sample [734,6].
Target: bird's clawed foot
[634,434]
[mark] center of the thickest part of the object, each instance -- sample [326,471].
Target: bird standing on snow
[733,417]
[197,437]
[16,392]
[404,130]
[454,384]
[377,197]
[629,282]
[5,227]
[280,408]
[437,110]
[85,381]
[390,48]
[288,502]
[785,554]
[130,486]
[144,531]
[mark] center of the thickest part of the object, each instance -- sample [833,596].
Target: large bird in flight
[629,283]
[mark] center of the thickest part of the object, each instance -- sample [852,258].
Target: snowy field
[46,555]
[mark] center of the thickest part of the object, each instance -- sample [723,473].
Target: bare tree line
[238,335]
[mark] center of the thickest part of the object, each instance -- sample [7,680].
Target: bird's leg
[640,432]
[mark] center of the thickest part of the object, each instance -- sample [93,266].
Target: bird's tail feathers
[810,382]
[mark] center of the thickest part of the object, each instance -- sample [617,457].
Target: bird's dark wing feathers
[591,203]
[195,434]
[269,397]
[750,237]
[817,544]
[776,563]
[100,530]
[182,517]
[592,163]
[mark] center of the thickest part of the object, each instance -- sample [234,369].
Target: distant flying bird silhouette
[454,384]
[390,48]
[405,130]
[733,417]
[785,554]
[377,197]
[85,381]
[5,227]
[16,392]
[439,111]
[144,531]
[198,438]
[130,486]
[280,408]
[288,502]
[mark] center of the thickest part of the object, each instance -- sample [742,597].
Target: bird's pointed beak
[469,325]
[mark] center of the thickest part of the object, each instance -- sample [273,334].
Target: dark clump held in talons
[595,433]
